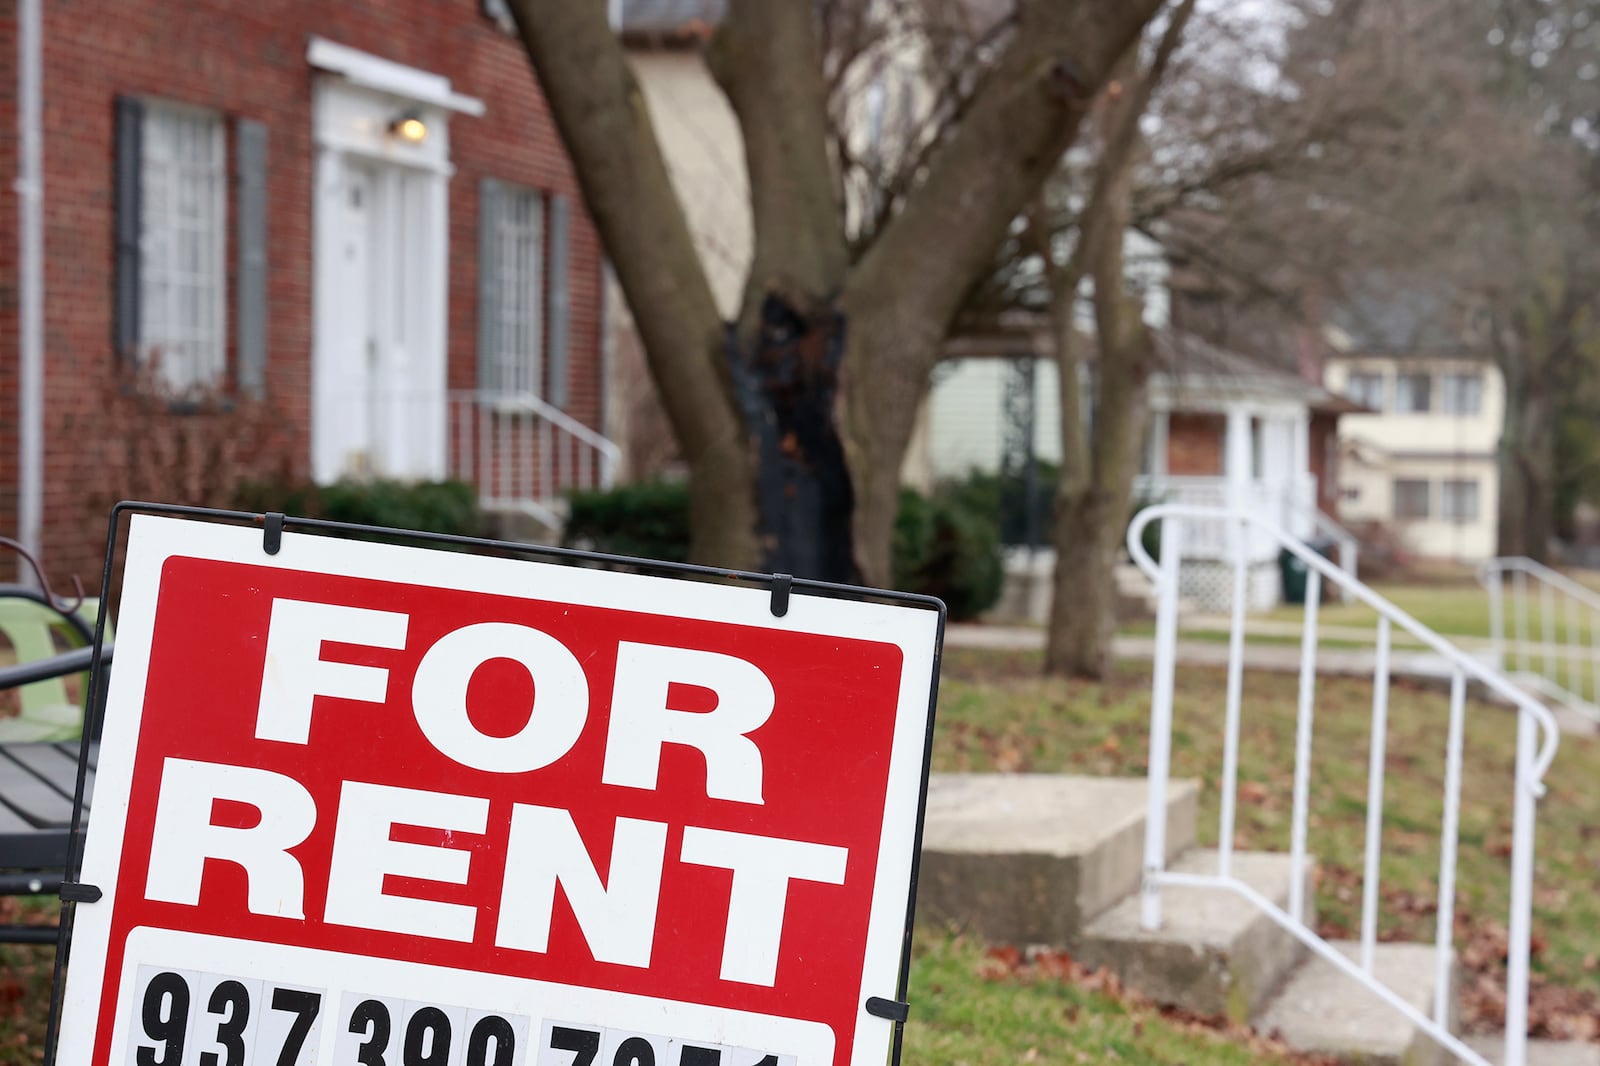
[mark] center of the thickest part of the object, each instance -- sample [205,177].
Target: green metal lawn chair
[37,629]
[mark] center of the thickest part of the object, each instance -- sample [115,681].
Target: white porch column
[1236,459]
[1302,483]
[1156,442]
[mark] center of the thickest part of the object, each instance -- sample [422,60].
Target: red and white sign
[364,805]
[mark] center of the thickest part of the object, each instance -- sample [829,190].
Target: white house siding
[966,416]
[1434,447]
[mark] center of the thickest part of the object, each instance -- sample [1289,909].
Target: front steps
[1053,859]
[1362,1028]
[1030,858]
[1214,954]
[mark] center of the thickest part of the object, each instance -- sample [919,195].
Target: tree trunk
[1531,355]
[774,402]
[1092,517]
[605,124]
[1527,470]
[1099,461]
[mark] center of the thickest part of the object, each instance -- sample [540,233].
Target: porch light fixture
[409,127]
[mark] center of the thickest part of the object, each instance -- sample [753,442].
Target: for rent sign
[362,805]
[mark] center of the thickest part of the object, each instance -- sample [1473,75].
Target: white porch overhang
[387,76]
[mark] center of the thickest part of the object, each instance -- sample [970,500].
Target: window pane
[1366,389]
[1411,393]
[516,257]
[1461,394]
[1459,500]
[181,241]
[1410,498]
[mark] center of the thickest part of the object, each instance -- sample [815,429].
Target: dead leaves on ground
[1555,1012]
[1037,965]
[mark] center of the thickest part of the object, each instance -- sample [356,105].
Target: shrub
[648,520]
[945,549]
[449,507]
[1008,496]
[941,547]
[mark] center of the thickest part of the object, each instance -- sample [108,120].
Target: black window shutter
[129,166]
[489,281]
[250,205]
[560,309]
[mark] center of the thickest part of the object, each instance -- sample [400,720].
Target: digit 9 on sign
[379,1031]
[187,1018]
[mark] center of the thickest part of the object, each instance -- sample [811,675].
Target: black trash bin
[1295,570]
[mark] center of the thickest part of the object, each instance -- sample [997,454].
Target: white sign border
[153,539]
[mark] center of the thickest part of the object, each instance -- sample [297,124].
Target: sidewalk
[1415,665]
[1357,662]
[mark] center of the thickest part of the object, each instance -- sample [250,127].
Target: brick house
[314,240]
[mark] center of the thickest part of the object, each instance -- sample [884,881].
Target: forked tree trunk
[769,422]
[1100,455]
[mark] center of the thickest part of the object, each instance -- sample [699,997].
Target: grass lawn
[996,713]
[969,1005]
[1459,610]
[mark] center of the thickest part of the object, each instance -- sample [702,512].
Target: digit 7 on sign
[189,1017]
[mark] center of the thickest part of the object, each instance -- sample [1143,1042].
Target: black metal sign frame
[273,524]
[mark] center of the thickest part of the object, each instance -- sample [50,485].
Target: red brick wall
[1194,445]
[246,58]
[1324,460]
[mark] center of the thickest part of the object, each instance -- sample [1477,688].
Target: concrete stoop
[1031,858]
[1054,859]
[1215,953]
[1324,1010]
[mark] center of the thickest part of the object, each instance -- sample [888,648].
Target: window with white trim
[1411,498]
[1458,499]
[512,288]
[1412,393]
[182,288]
[1365,387]
[1461,394]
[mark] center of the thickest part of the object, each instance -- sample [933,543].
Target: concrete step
[1323,1010]
[1030,858]
[1215,953]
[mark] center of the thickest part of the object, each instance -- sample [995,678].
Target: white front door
[379,405]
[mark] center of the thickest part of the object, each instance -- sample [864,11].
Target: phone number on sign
[190,1018]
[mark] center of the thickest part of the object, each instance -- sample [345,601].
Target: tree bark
[886,314]
[909,284]
[605,124]
[1091,513]
[1526,515]
[1100,460]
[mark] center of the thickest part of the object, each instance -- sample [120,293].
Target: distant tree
[1466,161]
[1201,110]
[794,420]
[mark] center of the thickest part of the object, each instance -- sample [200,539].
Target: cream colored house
[1424,460]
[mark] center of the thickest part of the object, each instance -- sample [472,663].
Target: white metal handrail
[1533,759]
[523,453]
[1568,666]
[1349,546]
